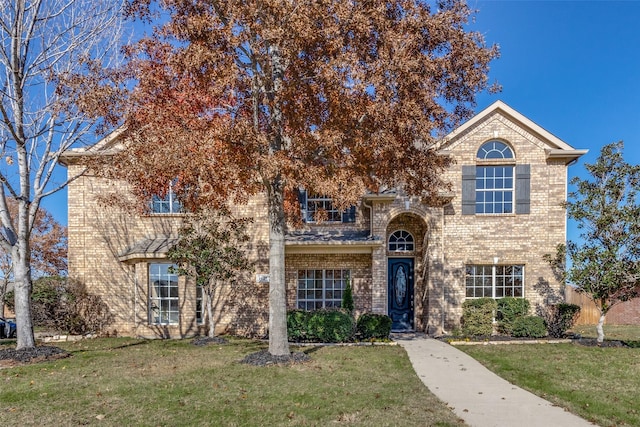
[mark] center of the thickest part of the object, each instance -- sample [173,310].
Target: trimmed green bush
[332,325]
[477,317]
[559,318]
[509,309]
[297,321]
[373,326]
[529,327]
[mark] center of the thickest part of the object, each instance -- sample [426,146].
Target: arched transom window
[495,150]
[401,240]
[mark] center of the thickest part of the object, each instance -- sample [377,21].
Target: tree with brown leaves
[48,249]
[234,98]
[41,41]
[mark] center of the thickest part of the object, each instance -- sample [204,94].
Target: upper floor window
[167,204]
[495,150]
[401,241]
[495,185]
[318,208]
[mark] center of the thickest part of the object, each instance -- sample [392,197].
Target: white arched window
[401,241]
[495,183]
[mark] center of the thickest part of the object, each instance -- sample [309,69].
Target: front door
[401,293]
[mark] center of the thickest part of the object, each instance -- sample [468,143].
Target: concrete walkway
[478,396]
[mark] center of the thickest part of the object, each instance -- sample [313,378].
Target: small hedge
[332,325]
[509,309]
[559,318]
[477,317]
[529,327]
[373,326]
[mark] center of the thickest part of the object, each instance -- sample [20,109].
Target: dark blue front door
[401,293]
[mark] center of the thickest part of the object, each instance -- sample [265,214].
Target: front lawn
[601,385]
[165,383]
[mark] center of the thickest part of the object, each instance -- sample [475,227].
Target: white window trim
[408,239]
[324,300]
[493,279]
[151,299]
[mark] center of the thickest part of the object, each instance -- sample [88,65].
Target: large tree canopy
[340,97]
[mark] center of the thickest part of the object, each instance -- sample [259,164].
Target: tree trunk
[210,322]
[600,328]
[278,340]
[22,292]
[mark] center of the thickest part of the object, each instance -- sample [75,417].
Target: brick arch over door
[416,225]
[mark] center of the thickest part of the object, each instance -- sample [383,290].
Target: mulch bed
[12,357]
[264,358]
[201,341]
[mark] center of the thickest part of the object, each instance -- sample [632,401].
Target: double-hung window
[319,208]
[163,295]
[495,184]
[321,288]
[494,281]
[168,204]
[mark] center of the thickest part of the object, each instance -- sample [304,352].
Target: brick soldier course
[110,249]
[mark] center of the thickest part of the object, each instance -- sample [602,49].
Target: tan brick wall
[359,264]
[445,242]
[98,234]
[514,239]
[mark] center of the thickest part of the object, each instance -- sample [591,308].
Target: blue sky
[573,67]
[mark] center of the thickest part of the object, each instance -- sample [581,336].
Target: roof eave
[568,156]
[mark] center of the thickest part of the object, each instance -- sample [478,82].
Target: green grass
[611,332]
[601,385]
[166,383]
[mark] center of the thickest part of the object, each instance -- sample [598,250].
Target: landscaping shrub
[347,298]
[559,318]
[509,309]
[332,325]
[64,305]
[373,326]
[529,327]
[297,321]
[477,317]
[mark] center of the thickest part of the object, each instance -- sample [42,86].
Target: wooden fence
[626,313]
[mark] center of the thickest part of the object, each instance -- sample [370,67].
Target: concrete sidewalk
[478,396]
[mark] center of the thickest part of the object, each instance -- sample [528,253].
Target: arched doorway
[405,271]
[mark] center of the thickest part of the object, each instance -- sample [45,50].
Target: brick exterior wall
[445,241]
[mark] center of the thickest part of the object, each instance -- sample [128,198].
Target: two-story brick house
[413,261]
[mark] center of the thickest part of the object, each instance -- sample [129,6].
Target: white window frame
[494,185]
[170,201]
[163,309]
[200,308]
[316,203]
[495,179]
[494,277]
[316,288]
[401,238]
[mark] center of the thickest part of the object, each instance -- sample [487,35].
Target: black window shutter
[468,190]
[302,198]
[523,189]
[349,215]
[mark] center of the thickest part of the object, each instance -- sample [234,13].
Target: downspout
[442,267]
[135,299]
